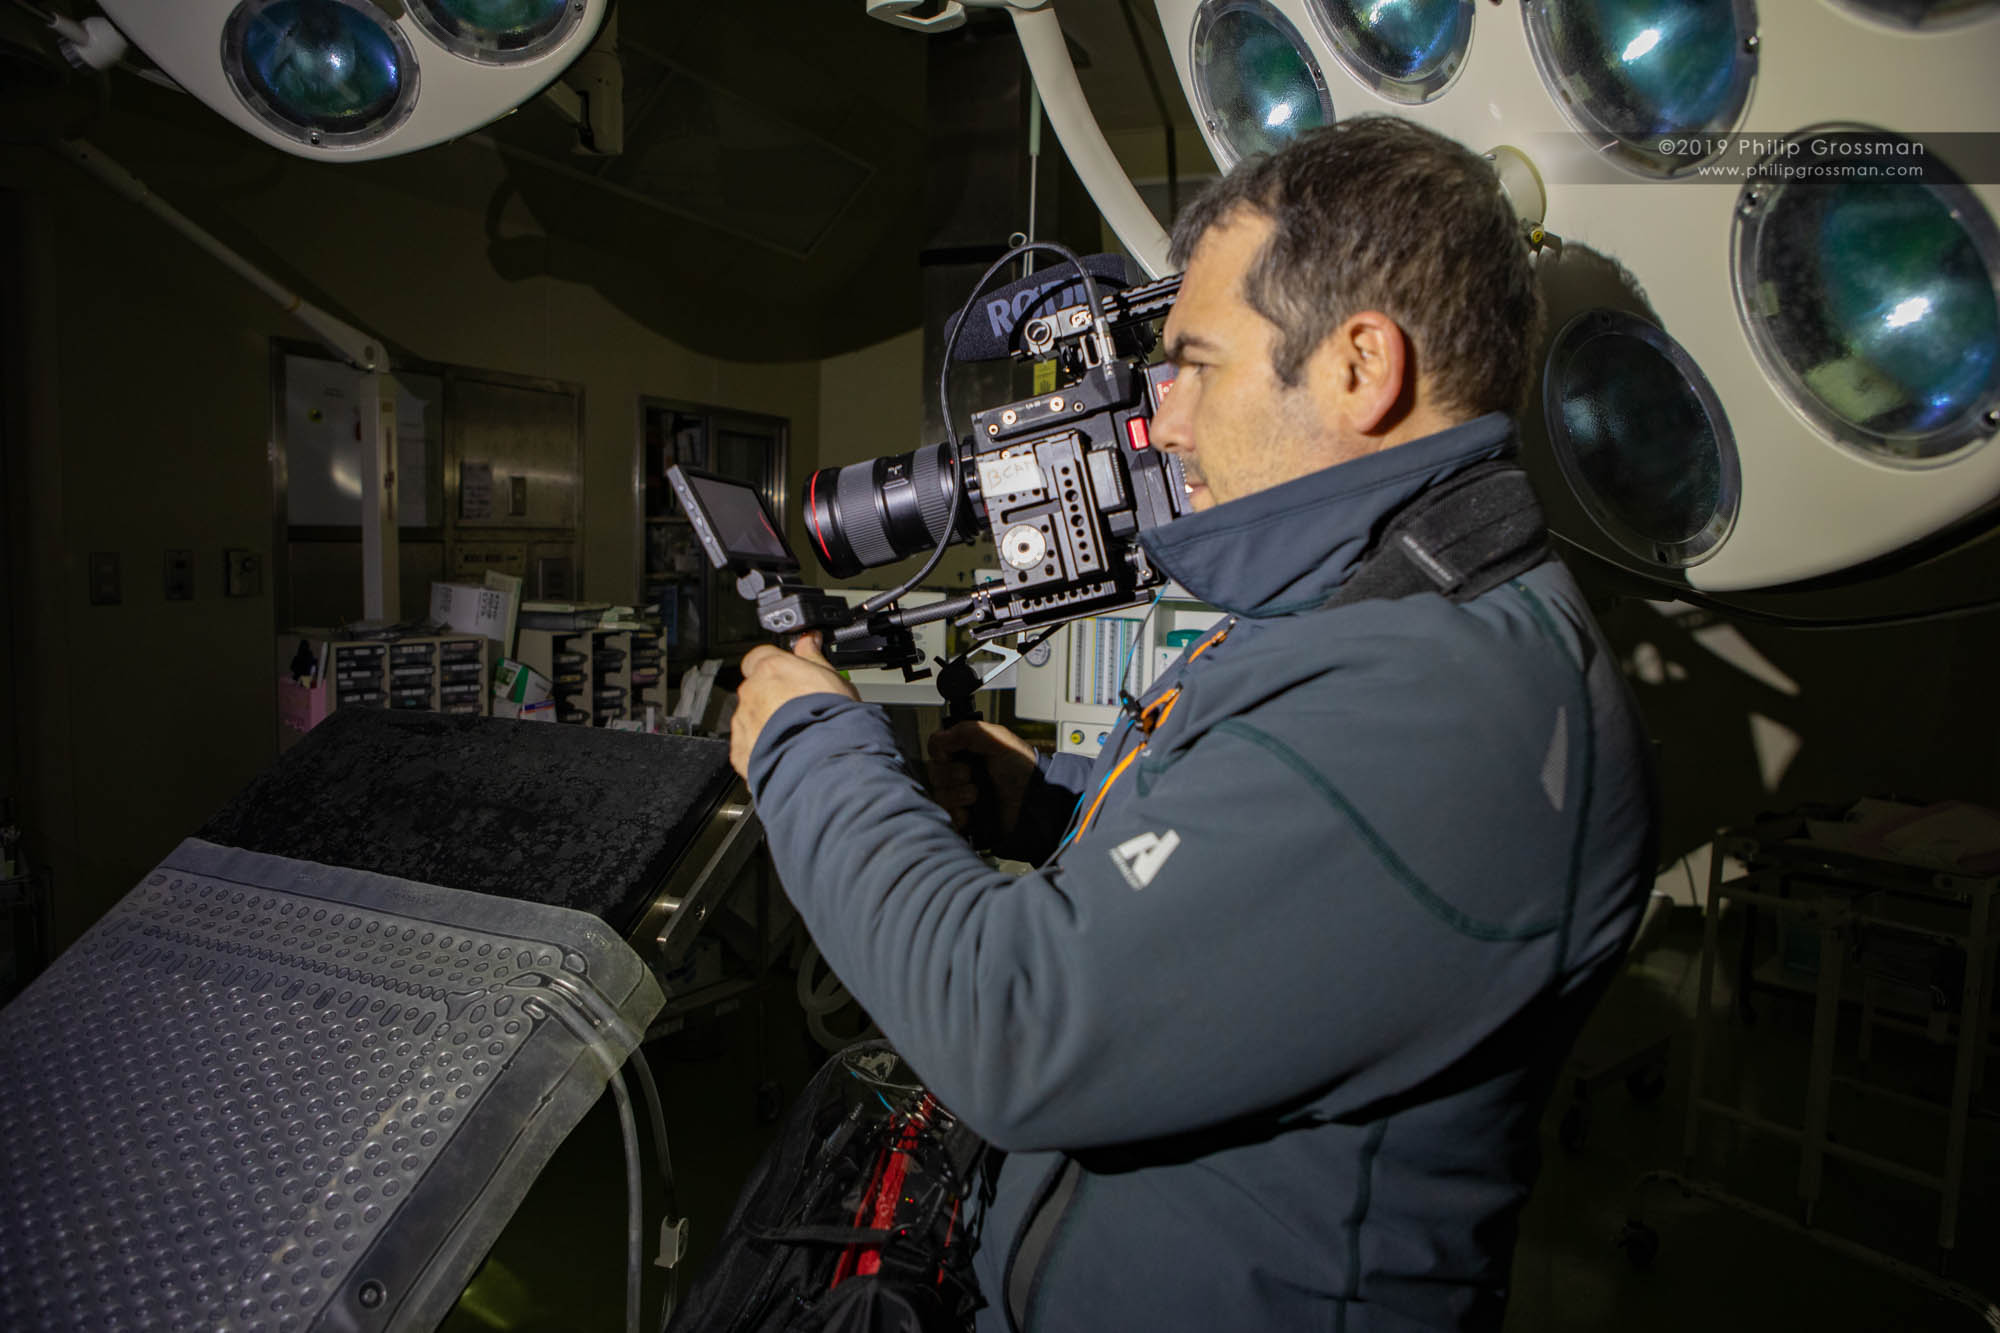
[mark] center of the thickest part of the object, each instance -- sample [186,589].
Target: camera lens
[883,510]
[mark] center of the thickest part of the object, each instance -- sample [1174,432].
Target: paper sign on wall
[475,489]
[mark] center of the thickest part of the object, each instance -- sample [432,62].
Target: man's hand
[1010,765]
[771,679]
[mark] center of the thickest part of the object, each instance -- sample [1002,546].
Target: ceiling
[770,188]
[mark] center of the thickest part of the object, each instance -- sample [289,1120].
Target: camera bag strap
[1461,538]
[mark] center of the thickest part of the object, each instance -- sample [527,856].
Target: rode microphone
[994,325]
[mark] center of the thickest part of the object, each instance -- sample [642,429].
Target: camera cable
[1103,332]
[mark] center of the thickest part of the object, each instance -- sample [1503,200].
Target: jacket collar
[1285,549]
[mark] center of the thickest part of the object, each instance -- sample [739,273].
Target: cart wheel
[1640,1242]
[770,1102]
[1574,1131]
[1646,1084]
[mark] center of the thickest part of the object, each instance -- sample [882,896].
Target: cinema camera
[1061,483]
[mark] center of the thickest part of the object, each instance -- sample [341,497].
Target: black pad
[569,816]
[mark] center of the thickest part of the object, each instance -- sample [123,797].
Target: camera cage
[1102,408]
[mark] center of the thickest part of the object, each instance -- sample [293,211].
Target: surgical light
[1871,303]
[497,31]
[357,79]
[1880,320]
[320,71]
[1641,437]
[1406,50]
[1634,72]
[1923,13]
[1257,82]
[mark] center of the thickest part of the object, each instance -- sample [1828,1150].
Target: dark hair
[1377,213]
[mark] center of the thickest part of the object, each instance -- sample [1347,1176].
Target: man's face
[1235,426]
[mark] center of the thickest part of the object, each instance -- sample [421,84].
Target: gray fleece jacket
[1268,1042]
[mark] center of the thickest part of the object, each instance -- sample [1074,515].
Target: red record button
[1135,431]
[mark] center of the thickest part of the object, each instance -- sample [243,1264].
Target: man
[1268,1038]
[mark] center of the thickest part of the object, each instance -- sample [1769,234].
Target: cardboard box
[471,608]
[302,707]
[518,688]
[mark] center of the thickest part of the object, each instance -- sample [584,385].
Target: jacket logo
[1139,859]
[1555,766]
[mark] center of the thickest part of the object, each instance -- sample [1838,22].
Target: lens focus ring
[861,520]
[933,500]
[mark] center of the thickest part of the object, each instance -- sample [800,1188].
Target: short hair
[1377,213]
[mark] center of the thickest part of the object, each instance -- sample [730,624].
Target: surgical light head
[356,79]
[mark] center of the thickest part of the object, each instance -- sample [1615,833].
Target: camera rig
[1061,483]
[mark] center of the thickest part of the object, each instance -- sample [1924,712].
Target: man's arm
[1238,939]
[1046,809]
[1027,797]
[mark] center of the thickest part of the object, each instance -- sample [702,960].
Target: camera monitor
[730,519]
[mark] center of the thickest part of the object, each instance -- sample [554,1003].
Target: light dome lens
[320,71]
[1406,50]
[1641,437]
[497,31]
[1924,13]
[1872,303]
[1638,71]
[1258,85]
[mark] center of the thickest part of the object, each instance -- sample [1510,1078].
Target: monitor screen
[732,522]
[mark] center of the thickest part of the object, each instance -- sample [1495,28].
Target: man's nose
[1169,430]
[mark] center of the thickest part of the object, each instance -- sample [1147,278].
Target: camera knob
[1024,546]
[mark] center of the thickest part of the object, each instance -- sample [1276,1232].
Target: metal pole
[349,343]
[380,596]
[1971,1055]
[1833,937]
[381,585]
[1083,140]
[1710,941]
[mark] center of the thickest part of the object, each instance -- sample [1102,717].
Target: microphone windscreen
[993,326]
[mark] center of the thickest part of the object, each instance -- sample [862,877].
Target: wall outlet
[105,589]
[180,576]
[242,572]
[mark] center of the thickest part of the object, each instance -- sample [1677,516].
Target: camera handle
[957,681]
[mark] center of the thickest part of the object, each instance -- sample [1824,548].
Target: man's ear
[1365,364]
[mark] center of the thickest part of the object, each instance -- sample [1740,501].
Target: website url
[1794,171]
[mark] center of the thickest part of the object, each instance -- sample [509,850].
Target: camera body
[1061,484]
[1064,483]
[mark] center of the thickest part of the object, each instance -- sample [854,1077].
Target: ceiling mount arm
[897,14]
[1049,63]
[347,342]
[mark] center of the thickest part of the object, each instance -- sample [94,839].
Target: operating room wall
[145,716]
[1750,716]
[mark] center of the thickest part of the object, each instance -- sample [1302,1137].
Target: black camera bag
[794,1254]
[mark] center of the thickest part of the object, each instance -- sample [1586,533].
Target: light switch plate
[105,587]
[242,572]
[180,576]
